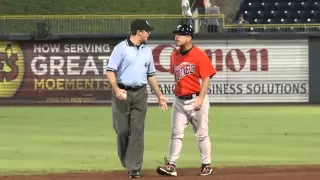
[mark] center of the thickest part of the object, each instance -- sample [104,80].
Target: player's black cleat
[134,174]
[205,170]
[168,169]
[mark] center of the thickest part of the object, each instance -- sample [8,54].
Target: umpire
[129,69]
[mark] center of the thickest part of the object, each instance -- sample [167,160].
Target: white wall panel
[286,77]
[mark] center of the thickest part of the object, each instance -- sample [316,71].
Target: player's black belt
[189,96]
[130,88]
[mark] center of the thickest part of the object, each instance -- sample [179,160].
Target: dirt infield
[241,173]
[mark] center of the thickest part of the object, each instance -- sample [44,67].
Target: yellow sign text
[71,84]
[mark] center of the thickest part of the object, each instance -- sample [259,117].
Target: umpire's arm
[113,64]
[152,80]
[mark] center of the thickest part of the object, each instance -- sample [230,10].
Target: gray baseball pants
[128,122]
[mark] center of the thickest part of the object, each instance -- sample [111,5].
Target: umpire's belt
[188,97]
[130,88]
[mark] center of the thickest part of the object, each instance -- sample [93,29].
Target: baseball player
[192,72]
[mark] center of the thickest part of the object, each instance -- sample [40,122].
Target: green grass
[86,7]
[81,138]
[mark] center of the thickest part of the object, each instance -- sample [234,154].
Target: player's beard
[186,46]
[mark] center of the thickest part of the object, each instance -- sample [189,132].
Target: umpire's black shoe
[134,174]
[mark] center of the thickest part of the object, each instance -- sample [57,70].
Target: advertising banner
[63,72]
[75,71]
[248,71]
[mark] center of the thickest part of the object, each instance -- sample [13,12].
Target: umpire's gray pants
[128,122]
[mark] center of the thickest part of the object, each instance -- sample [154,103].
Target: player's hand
[120,94]
[198,104]
[163,103]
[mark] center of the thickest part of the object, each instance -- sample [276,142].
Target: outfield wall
[250,69]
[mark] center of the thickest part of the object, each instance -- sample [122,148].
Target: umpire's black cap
[184,29]
[140,24]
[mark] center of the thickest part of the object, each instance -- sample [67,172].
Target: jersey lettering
[183,70]
[189,70]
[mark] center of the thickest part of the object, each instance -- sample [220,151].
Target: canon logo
[234,60]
